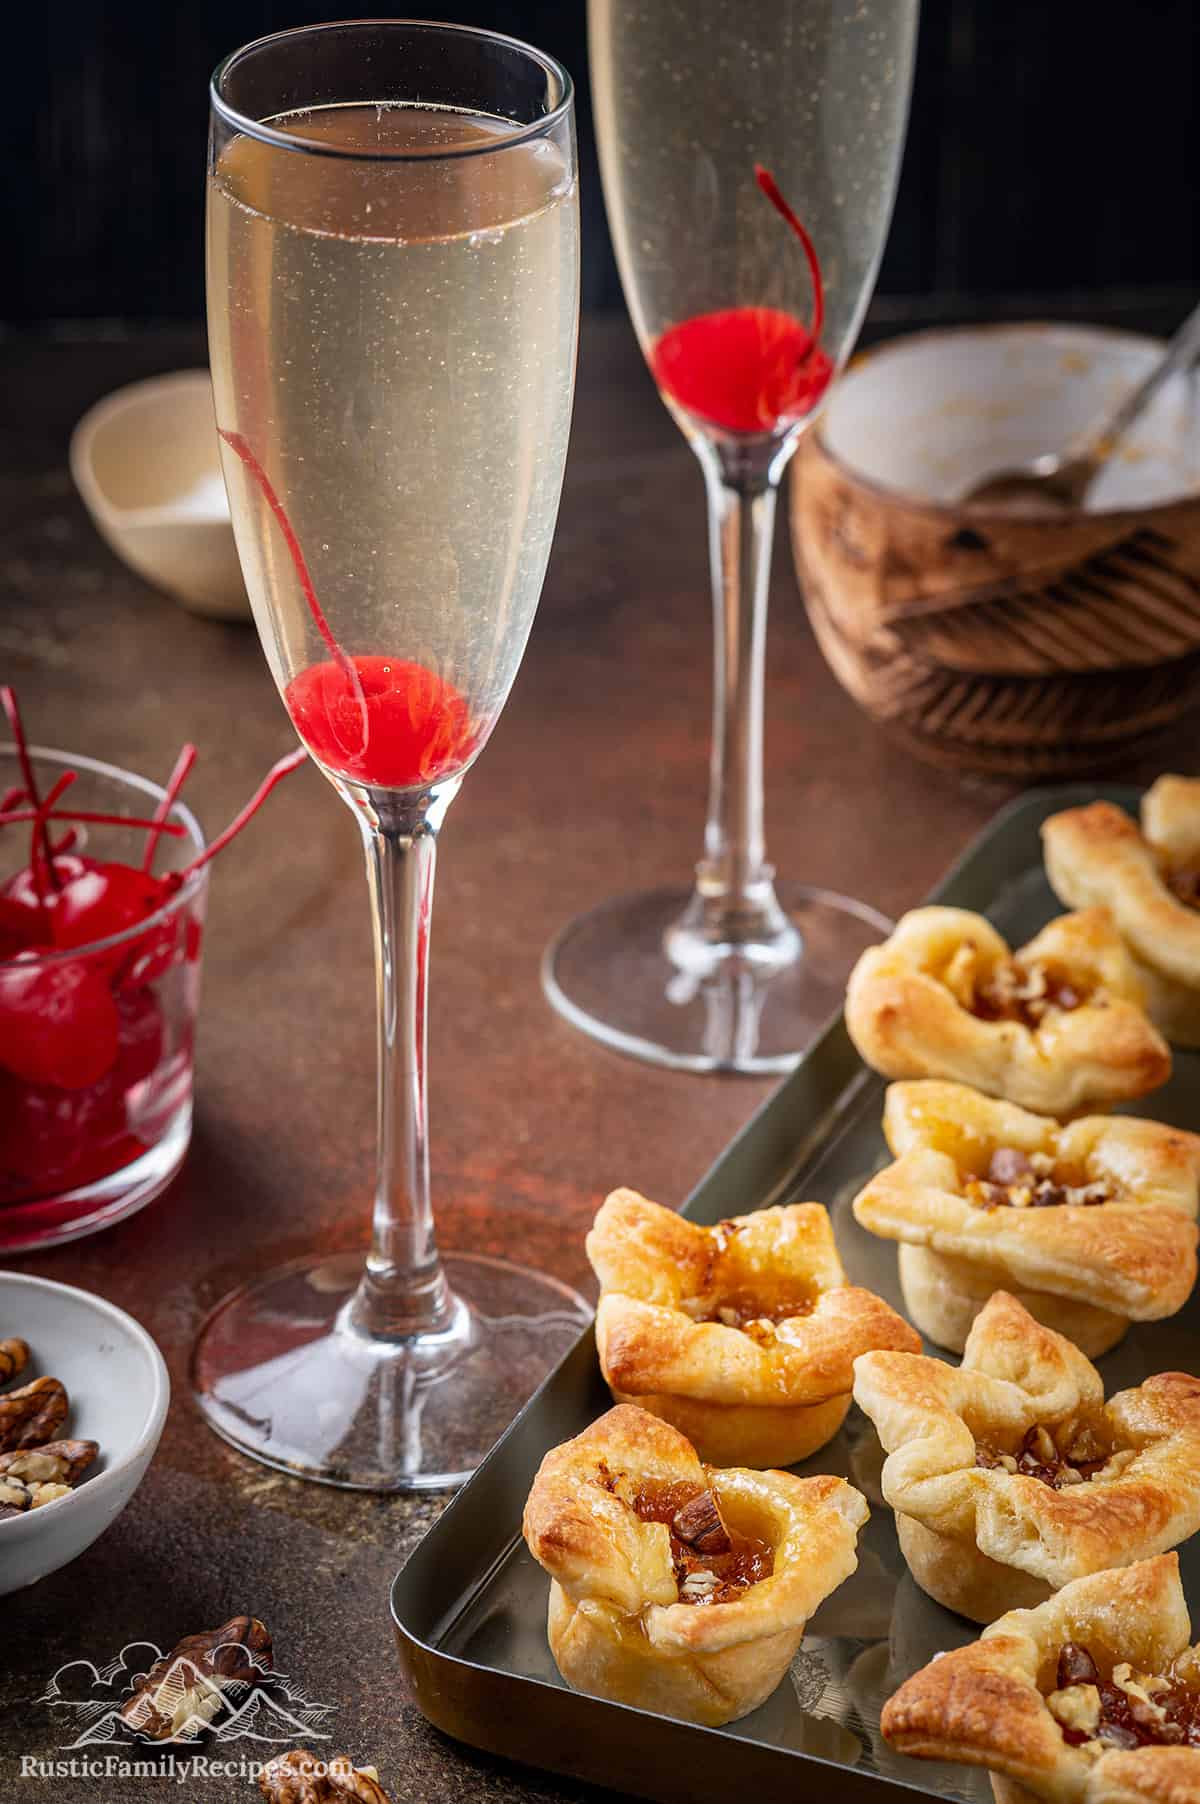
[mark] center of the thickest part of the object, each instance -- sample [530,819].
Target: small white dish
[117,1383]
[147,464]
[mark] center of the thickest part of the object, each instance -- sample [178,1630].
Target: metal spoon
[1061,479]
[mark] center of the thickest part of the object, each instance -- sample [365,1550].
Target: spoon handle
[1184,346]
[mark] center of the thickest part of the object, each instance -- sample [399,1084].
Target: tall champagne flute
[393,305]
[749,153]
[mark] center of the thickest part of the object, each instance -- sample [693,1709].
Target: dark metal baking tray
[469,1607]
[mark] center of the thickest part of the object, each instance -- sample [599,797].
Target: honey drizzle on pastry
[713,1567]
[750,1311]
[1129,1710]
[1085,1457]
[1017,1180]
[1016,992]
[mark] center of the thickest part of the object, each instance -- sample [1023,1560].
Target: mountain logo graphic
[106,1706]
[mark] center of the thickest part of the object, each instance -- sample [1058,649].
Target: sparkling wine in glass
[393,306]
[750,153]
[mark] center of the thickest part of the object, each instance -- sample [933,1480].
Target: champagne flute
[749,154]
[393,305]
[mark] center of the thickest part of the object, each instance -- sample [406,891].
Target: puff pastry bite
[1057,1027]
[1010,1476]
[1092,1224]
[1092,1698]
[1149,882]
[676,1587]
[744,1336]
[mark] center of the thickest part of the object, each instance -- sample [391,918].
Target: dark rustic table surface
[593,782]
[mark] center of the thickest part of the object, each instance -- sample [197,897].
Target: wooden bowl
[146,461]
[1021,645]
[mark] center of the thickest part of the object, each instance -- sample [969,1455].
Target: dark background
[1051,151]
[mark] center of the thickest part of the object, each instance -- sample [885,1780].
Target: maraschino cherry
[748,369]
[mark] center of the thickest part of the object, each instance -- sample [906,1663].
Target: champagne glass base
[280,1372]
[609,973]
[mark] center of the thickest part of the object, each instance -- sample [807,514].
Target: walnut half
[55,1462]
[699,1524]
[33,1414]
[304,1778]
[183,1691]
[14,1357]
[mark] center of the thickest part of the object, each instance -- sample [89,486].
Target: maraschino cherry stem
[41,860]
[64,782]
[275,775]
[93,818]
[238,445]
[770,188]
[175,782]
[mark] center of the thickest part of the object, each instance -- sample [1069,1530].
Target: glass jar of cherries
[103,883]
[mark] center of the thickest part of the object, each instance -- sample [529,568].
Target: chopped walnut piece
[1085,1445]
[1041,1445]
[304,1778]
[1142,1706]
[17,1495]
[44,1493]
[1076,1666]
[32,1414]
[14,1498]
[1076,1707]
[1009,1165]
[182,1692]
[1016,992]
[56,1462]
[14,1357]
[699,1524]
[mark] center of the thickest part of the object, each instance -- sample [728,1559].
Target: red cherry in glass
[46,1133]
[21,889]
[141,1037]
[105,900]
[150,956]
[58,1022]
[20,931]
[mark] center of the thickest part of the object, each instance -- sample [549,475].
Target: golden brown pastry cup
[731,1434]
[943,1295]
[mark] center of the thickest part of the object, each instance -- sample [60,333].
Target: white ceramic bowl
[119,1391]
[927,415]
[147,464]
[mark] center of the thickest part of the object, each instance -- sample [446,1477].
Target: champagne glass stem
[404,1290]
[735,897]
